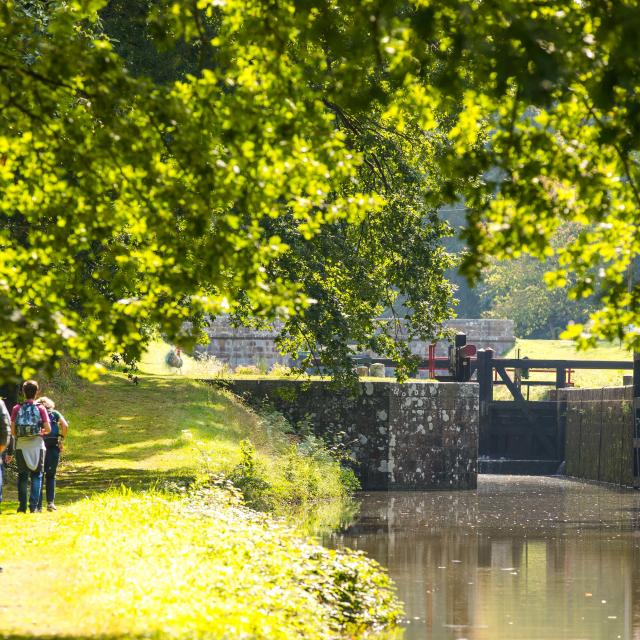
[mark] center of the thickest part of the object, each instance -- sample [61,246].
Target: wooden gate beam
[511,385]
[538,363]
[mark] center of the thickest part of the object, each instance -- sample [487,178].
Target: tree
[551,91]
[353,272]
[555,84]
[357,272]
[129,202]
[517,290]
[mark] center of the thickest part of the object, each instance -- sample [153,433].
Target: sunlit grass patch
[166,428]
[566,350]
[149,565]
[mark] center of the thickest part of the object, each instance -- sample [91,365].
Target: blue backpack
[28,420]
[54,420]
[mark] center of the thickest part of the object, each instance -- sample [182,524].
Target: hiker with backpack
[29,423]
[54,444]
[5,440]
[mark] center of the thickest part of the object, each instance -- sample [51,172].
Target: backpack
[28,420]
[54,420]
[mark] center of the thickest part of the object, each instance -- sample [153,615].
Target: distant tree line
[516,289]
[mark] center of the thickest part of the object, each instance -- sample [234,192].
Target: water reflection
[521,558]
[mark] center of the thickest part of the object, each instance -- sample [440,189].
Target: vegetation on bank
[153,540]
[125,564]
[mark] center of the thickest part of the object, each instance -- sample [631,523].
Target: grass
[175,428]
[150,541]
[566,350]
[145,565]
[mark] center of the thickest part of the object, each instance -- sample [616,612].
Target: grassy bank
[132,552]
[174,428]
[134,565]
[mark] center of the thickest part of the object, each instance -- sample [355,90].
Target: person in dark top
[54,443]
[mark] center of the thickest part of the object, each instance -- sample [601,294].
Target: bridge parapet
[411,436]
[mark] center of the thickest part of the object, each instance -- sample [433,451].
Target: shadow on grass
[83,481]
[80,482]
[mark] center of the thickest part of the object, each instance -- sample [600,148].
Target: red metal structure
[432,360]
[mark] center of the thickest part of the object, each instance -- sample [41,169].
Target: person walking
[54,445]
[29,423]
[5,440]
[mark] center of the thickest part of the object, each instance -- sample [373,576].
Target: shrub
[280,467]
[249,477]
[208,365]
[247,370]
[279,370]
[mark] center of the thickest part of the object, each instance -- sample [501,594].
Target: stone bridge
[242,345]
[409,436]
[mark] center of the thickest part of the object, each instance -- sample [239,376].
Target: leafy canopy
[353,271]
[556,85]
[129,203]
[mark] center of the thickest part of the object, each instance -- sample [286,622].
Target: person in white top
[29,423]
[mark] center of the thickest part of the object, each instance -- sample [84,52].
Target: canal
[521,558]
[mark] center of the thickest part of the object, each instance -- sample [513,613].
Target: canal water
[521,558]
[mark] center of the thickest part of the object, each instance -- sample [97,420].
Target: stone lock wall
[599,434]
[241,345]
[411,436]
